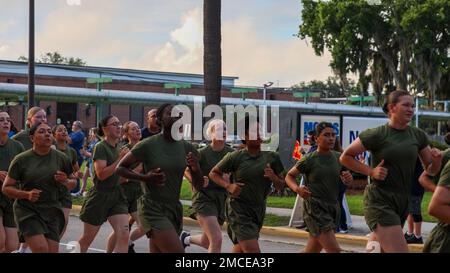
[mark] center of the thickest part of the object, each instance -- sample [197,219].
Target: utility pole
[31,56]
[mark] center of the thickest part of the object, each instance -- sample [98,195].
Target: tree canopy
[401,44]
[56,58]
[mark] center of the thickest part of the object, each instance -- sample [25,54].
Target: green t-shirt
[322,174]
[249,170]
[33,171]
[209,159]
[445,158]
[399,149]
[156,152]
[24,138]
[131,183]
[104,151]
[444,181]
[7,154]
[71,154]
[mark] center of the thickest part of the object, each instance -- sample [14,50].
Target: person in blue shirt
[76,141]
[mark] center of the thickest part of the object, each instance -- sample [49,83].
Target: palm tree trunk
[212,58]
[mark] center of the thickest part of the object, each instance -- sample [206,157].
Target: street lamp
[265,86]
[264,117]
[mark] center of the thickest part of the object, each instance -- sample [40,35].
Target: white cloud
[182,53]
[131,35]
[256,58]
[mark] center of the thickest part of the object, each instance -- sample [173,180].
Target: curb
[287,232]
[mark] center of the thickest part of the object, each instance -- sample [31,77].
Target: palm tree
[212,57]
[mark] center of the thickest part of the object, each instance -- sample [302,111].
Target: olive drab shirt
[249,170]
[208,159]
[71,155]
[104,151]
[7,153]
[33,171]
[156,152]
[399,149]
[445,159]
[24,138]
[322,174]
[444,181]
[132,183]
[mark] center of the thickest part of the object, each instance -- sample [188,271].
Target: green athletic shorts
[100,205]
[384,207]
[439,240]
[7,213]
[132,191]
[320,216]
[33,220]
[209,203]
[244,220]
[159,215]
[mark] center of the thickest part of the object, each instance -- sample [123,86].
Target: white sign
[352,126]
[309,122]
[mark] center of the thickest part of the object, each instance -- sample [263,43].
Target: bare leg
[53,246]
[166,241]
[111,243]
[119,224]
[211,239]
[86,175]
[391,239]
[410,221]
[2,237]
[88,236]
[37,243]
[250,246]
[418,229]
[137,232]
[328,241]
[66,212]
[313,245]
[12,240]
[237,249]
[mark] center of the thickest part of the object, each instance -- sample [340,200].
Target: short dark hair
[159,113]
[322,126]
[103,123]
[56,127]
[34,128]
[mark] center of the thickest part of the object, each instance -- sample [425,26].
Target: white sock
[187,240]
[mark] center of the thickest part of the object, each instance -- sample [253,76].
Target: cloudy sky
[166,35]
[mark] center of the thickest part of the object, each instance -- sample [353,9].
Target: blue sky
[166,35]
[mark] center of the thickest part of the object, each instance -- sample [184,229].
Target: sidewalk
[356,236]
[358,228]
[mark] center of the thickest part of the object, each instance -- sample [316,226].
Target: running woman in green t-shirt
[105,201]
[254,172]
[9,148]
[208,204]
[60,135]
[131,188]
[33,180]
[394,148]
[439,239]
[164,160]
[321,192]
